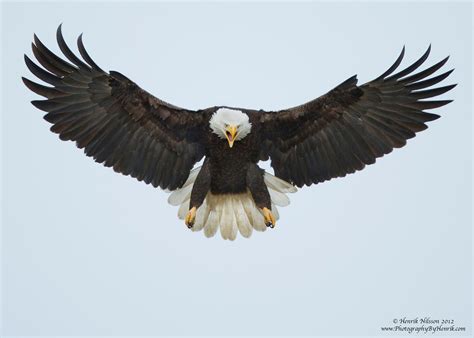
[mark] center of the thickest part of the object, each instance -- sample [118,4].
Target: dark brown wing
[115,121]
[350,126]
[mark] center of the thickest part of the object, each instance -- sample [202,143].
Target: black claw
[270,225]
[190,225]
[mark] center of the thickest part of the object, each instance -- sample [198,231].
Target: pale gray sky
[87,251]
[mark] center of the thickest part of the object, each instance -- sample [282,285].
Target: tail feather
[278,184]
[226,219]
[228,224]
[183,209]
[201,216]
[275,212]
[278,198]
[255,217]
[179,196]
[212,224]
[245,227]
[231,213]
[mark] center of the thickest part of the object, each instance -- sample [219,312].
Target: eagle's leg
[190,217]
[270,220]
[199,192]
[260,193]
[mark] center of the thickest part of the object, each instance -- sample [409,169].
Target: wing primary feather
[53,58]
[424,94]
[67,51]
[41,73]
[413,67]
[372,140]
[429,82]
[429,104]
[46,63]
[48,92]
[424,73]
[407,114]
[46,105]
[85,55]
[396,125]
[389,126]
[397,140]
[392,67]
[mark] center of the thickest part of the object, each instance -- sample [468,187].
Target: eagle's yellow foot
[190,217]
[270,220]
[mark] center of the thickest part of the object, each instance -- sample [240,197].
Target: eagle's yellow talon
[270,220]
[190,217]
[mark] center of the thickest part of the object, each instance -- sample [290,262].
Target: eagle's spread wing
[115,121]
[350,126]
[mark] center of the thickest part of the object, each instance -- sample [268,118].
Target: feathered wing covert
[115,121]
[350,126]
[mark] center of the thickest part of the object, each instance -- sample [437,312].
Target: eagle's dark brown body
[232,170]
[229,166]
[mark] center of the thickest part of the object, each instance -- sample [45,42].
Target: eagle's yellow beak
[230,133]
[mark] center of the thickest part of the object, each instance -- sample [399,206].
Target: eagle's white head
[230,124]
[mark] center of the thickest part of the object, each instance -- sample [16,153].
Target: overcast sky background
[87,251]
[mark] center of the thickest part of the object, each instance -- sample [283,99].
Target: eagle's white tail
[231,213]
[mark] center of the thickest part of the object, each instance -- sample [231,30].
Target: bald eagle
[124,127]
